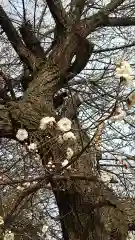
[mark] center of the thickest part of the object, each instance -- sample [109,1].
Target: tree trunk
[88,209]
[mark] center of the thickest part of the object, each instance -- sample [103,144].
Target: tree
[88,208]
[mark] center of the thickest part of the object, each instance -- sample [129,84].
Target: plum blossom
[21,134]
[32,146]
[1,220]
[8,235]
[69,136]
[44,122]
[124,70]
[69,153]
[131,235]
[64,124]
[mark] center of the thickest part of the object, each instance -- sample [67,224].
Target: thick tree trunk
[88,209]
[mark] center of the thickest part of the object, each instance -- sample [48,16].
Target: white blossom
[45,121]
[69,135]
[64,124]
[124,70]
[22,134]
[44,229]
[1,220]
[131,235]
[64,163]
[70,153]
[124,67]
[32,146]
[20,188]
[9,235]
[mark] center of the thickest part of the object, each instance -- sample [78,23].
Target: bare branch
[14,38]
[122,21]
[114,48]
[31,41]
[58,12]
[98,19]
[41,19]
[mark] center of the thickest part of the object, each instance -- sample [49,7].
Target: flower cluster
[64,124]
[21,134]
[125,71]
[8,235]
[68,136]
[46,121]
[131,235]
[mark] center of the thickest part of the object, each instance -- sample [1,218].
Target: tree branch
[8,83]
[27,57]
[31,41]
[98,19]
[122,21]
[58,12]
[114,48]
